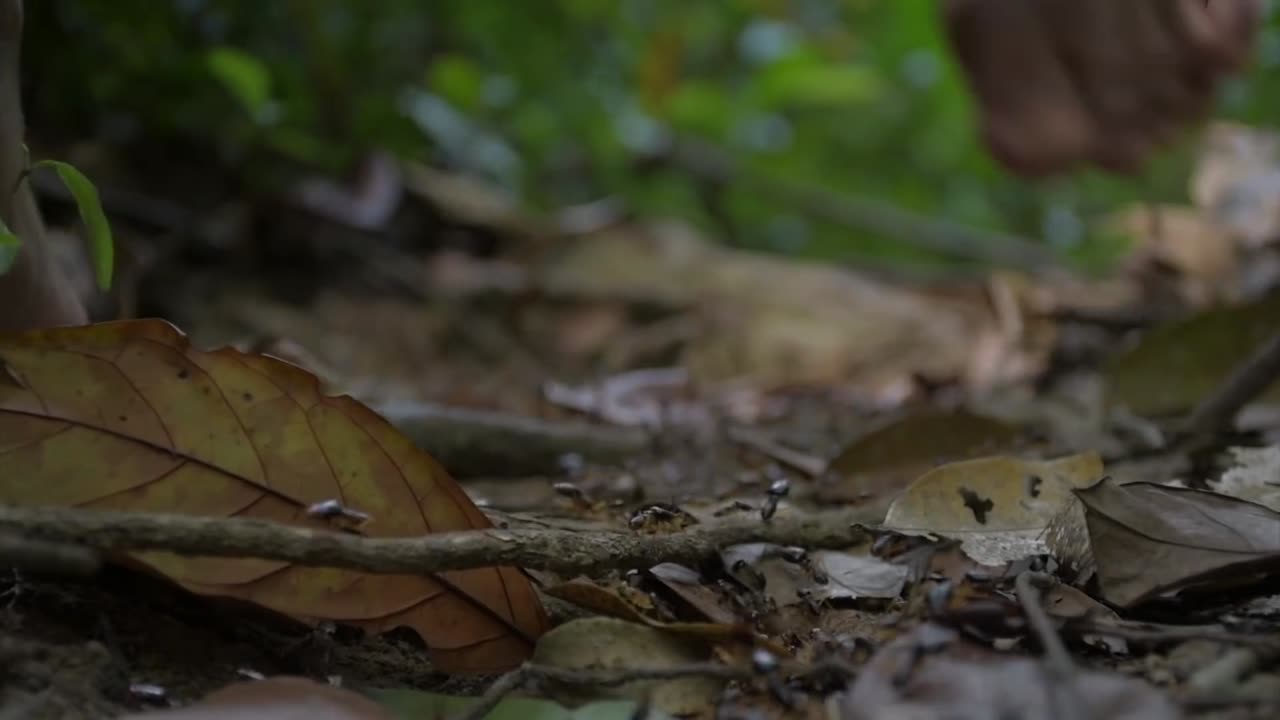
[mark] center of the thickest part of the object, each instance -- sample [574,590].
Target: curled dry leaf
[128,416]
[1150,539]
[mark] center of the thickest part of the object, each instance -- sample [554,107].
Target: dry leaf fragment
[824,575]
[128,416]
[854,576]
[689,585]
[590,596]
[1150,539]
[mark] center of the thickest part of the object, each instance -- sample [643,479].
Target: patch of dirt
[82,650]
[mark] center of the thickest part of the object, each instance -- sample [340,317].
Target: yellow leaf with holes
[997,505]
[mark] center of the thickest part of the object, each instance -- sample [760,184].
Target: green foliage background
[558,99]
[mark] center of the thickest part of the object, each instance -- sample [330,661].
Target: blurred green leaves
[809,81]
[244,76]
[458,80]
[556,100]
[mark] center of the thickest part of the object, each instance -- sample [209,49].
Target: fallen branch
[810,465]
[535,549]
[473,443]
[712,164]
[1064,692]
[1248,380]
[52,558]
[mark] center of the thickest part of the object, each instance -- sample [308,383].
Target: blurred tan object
[1237,182]
[472,201]
[1186,240]
[1018,345]
[778,320]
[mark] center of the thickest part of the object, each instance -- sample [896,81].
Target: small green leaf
[9,245]
[95,220]
[458,80]
[804,81]
[245,76]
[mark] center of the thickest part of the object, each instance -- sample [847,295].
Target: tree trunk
[34,293]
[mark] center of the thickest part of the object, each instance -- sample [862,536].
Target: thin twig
[533,675]
[1058,666]
[712,163]
[536,549]
[810,465]
[500,689]
[1246,382]
[474,443]
[1056,653]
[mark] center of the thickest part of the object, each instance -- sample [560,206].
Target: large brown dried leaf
[127,416]
[1149,539]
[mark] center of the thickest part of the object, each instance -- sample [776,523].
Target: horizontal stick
[561,551]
